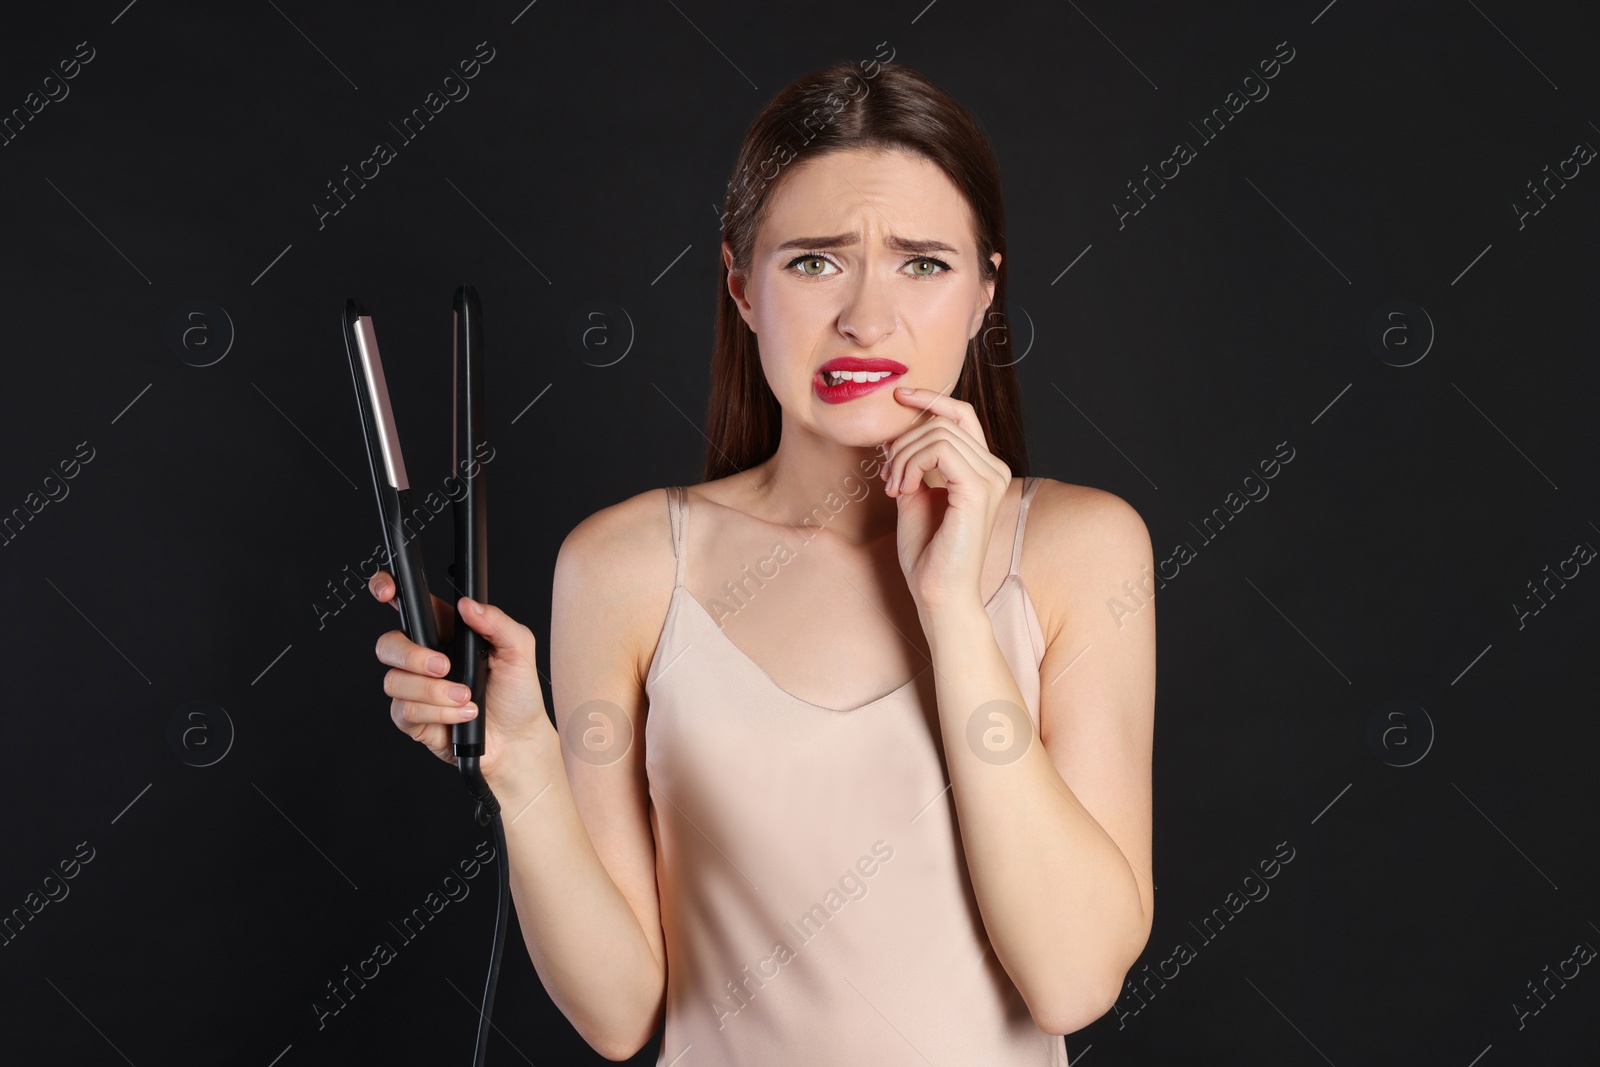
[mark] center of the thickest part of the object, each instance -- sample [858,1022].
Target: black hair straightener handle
[469,572]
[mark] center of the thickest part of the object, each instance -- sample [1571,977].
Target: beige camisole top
[814,894]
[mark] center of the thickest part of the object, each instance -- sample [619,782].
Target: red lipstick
[884,370]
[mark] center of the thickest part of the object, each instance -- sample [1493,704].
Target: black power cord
[487,814]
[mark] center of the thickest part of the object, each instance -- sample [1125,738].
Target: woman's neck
[823,484]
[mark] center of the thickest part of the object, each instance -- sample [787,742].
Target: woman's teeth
[834,377]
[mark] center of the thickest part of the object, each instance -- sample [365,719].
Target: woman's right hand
[424,705]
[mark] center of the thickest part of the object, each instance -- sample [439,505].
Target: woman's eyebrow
[847,240]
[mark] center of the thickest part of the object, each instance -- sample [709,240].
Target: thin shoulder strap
[677,513]
[1028,486]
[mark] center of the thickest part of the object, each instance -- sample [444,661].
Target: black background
[585,170]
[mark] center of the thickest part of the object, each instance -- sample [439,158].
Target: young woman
[844,769]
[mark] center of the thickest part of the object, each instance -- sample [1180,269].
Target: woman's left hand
[942,545]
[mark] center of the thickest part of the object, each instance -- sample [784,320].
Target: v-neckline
[743,655]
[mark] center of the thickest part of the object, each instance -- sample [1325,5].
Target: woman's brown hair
[835,108]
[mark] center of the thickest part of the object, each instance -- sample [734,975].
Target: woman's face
[870,256]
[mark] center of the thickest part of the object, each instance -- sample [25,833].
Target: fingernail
[459,693]
[477,608]
[438,664]
[469,712]
[904,389]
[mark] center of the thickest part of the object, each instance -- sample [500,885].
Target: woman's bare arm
[576,810]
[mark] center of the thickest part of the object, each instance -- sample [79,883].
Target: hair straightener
[469,573]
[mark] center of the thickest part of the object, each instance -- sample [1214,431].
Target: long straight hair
[837,108]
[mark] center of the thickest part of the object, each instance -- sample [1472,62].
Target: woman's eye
[822,263]
[941,264]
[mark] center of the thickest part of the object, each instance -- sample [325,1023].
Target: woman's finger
[951,426]
[952,458]
[382,587]
[417,713]
[437,737]
[922,459]
[441,691]
[962,413]
[980,457]
[398,650]
[513,642]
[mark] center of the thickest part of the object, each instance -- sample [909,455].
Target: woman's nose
[867,314]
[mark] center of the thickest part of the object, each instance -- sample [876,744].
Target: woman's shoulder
[1081,511]
[1083,536]
[1081,543]
[614,575]
[624,537]
[635,533]
[1083,533]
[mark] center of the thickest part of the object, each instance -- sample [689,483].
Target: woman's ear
[736,285]
[988,298]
